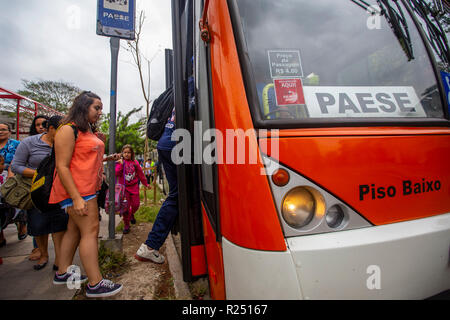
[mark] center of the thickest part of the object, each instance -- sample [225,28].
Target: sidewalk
[18,279]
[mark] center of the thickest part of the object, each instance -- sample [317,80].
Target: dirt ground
[144,280]
[140,280]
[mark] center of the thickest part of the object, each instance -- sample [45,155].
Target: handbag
[16,192]
[101,197]
[120,202]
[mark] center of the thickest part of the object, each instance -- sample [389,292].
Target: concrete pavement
[19,281]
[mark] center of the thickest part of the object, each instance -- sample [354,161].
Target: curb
[182,291]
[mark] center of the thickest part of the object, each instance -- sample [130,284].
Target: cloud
[57,40]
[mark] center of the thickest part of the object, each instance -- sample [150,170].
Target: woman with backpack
[37,127]
[129,173]
[79,169]
[29,154]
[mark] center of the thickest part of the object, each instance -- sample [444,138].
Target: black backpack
[160,113]
[42,182]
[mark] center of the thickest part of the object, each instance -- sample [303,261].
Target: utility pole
[115,43]
[116,27]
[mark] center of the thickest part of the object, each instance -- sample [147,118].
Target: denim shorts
[69,203]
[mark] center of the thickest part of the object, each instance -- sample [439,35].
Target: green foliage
[111,263]
[147,214]
[55,94]
[159,195]
[126,133]
[143,214]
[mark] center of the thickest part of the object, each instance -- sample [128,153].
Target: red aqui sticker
[289,92]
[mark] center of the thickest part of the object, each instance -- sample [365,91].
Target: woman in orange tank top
[79,168]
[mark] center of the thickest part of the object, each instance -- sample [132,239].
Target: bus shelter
[25,109]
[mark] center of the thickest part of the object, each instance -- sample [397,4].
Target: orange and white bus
[346,104]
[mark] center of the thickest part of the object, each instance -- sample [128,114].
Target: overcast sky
[56,40]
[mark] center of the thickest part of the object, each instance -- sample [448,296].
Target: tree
[126,133]
[55,94]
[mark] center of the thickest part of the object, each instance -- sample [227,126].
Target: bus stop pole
[114,42]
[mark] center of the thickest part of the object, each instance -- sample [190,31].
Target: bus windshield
[336,59]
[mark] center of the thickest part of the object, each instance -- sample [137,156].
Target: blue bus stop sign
[116,18]
[446,80]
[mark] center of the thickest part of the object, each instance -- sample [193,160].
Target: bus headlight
[335,216]
[299,206]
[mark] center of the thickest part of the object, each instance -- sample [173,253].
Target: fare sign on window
[285,64]
[289,92]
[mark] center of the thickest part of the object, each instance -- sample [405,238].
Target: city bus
[315,147]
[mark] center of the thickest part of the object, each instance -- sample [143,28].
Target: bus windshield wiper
[396,21]
[398,24]
[436,35]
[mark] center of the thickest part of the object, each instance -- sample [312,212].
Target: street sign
[116,18]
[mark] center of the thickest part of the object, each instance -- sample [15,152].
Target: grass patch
[150,195]
[147,214]
[120,226]
[199,288]
[166,289]
[112,264]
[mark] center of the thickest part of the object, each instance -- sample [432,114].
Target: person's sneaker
[105,288]
[146,254]
[62,279]
[133,220]
[126,230]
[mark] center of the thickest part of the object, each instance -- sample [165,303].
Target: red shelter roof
[7,94]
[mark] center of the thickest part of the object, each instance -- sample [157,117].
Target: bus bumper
[406,260]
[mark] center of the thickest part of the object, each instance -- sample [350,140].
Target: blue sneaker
[105,288]
[62,279]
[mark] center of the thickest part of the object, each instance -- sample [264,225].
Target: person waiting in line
[5,210]
[8,148]
[37,127]
[152,171]
[79,170]
[148,170]
[129,173]
[160,176]
[30,153]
